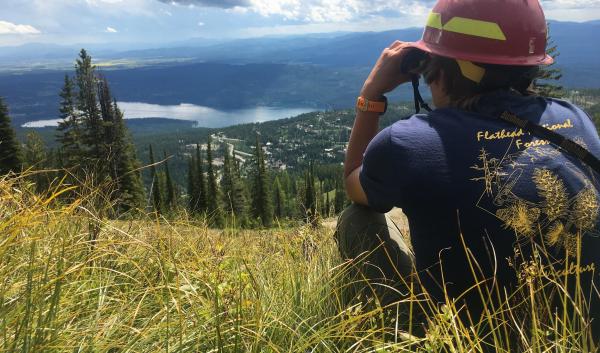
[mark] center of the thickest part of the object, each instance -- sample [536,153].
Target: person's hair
[464,93]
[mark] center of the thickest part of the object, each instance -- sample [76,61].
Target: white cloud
[344,11]
[201,24]
[103,2]
[317,11]
[372,24]
[570,4]
[225,4]
[321,11]
[11,28]
[111,30]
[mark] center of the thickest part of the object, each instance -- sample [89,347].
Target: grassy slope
[146,286]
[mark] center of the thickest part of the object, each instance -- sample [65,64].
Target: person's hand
[386,74]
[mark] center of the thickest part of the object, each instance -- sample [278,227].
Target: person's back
[497,194]
[467,179]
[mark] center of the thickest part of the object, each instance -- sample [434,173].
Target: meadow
[72,281]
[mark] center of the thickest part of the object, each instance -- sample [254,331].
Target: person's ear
[439,93]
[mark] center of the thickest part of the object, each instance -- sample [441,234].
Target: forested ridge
[245,175]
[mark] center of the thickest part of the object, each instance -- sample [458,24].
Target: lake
[203,116]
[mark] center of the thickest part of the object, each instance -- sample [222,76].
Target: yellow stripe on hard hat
[434,20]
[471,71]
[477,28]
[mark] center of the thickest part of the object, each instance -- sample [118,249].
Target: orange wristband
[365,105]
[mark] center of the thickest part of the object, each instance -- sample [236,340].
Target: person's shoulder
[419,123]
[562,104]
[406,132]
[566,109]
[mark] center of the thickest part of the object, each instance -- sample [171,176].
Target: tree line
[96,152]
[247,195]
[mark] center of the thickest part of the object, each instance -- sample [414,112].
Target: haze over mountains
[317,71]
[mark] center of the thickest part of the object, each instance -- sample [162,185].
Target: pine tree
[110,143]
[129,167]
[87,105]
[239,195]
[69,131]
[170,200]
[546,81]
[262,205]
[120,159]
[233,189]
[35,158]
[54,162]
[340,197]
[10,150]
[202,204]
[321,198]
[192,190]
[155,189]
[213,198]
[327,205]
[35,154]
[95,139]
[310,200]
[279,199]
[289,188]
[227,181]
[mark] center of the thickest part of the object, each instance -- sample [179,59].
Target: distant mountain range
[322,71]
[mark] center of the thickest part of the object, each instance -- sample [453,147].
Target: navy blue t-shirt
[457,173]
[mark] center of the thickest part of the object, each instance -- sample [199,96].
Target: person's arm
[384,78]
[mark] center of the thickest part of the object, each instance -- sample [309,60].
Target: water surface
[203,116]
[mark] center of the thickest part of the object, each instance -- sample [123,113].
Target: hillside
[290,143]
[75,281]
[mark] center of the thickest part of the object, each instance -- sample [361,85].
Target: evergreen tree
[170,200]
[321,198]
[546,81]
[69,132]
[110,143]
[129,168]
[10,150]
[213,198]
[239,195]
[262,206]
[35,158]
[233,188]
[192,190]
[279,199]
[227,181]
[340,197]
[310,199]
[95,139]
[155,189]
[120,159]
[93,130]
[327,205]
[202,204]
[35,154]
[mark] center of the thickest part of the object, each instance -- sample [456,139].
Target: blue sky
[153,22]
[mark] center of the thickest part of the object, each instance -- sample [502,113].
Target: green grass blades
[73,281]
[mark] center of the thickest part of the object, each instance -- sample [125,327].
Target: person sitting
[495,178]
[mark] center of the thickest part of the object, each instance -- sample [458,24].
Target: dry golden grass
[177,286]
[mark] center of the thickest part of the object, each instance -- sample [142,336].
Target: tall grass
[154,285]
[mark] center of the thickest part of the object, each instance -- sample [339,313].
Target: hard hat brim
[496,60]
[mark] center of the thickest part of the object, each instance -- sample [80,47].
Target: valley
[314,72]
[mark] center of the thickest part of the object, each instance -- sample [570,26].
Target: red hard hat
[503,32]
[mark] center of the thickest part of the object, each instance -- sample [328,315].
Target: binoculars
[413,61]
